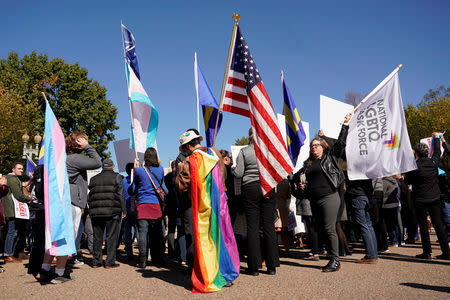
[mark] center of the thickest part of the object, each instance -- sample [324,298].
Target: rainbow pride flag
[216,261]
[59,236]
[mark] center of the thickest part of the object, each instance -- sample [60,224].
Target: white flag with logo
[378,142]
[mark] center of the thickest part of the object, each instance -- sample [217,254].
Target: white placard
[304,150]
[332,113]
[21,210]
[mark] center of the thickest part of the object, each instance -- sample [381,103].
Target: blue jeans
[11,238]
[150,234]
[361,207]
[445,213]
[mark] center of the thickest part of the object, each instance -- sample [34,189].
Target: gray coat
[246,165]
[77,165]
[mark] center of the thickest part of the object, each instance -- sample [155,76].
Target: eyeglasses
[315,145]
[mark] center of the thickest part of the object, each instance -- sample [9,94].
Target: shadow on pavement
[444,289]
[169,276]
[400,257]
[291,263]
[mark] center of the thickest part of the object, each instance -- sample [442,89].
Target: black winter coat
[424,180]
[106,195]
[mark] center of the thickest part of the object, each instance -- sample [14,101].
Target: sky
[324,47]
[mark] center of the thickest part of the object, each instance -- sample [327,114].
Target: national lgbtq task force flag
[378,142]
[209,104]
[59,235]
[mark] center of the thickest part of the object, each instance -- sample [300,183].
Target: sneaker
[77,262]
[424,256]
[332,266]
[366,260]
[384,251]
[395,245]
[61,279]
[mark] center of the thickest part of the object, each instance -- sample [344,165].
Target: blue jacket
[143,187]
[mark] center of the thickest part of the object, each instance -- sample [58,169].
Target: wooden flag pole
[364,100]
[237,18]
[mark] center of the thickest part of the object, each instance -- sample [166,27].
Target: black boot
[332,266]
[142,263]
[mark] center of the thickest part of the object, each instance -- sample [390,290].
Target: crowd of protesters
[151,211]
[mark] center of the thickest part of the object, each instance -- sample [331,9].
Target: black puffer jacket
[106,195]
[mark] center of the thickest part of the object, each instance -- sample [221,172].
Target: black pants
[188,231]
[327,208]
[256,208]
[379,224]
[434,209]
[38,247]
[151,236]
[313,236]
[112,235]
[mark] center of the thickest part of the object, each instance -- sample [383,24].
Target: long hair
[151,157]
[325,147]
[71,142]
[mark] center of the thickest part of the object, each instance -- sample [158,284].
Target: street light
[32,151]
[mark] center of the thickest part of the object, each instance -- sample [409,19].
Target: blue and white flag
[295,134]
[145,118]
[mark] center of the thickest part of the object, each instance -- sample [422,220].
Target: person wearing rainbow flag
[216,260]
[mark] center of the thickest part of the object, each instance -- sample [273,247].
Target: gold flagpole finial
[400,66]
[237,17]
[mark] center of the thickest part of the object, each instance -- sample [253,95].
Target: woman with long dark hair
[148,208]
[323,178]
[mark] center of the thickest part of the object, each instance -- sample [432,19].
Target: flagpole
[128,88]
[196,90]
[237,18]
[379,86]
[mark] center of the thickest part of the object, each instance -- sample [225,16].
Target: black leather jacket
[329,161]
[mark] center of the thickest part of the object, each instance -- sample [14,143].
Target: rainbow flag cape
[59,235]
[216,261]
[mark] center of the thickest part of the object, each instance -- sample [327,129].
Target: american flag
[245,95]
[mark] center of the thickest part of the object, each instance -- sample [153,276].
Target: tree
[15,120]
[242,141]
[432,114]
[78,102]
[353,98]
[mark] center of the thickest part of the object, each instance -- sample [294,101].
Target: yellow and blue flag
[31,166]
[209,104]
[295,134]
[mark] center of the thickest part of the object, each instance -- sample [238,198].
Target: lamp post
[31,151]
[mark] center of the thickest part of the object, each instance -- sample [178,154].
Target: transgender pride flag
[144,117]
[59,240]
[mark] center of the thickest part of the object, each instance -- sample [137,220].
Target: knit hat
[107,163]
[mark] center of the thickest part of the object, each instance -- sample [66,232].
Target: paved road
[397,275]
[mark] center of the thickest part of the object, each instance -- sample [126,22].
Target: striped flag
[295,134]
[245,95]
[41,153]
[209,104]
[59,236]
[144,115]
